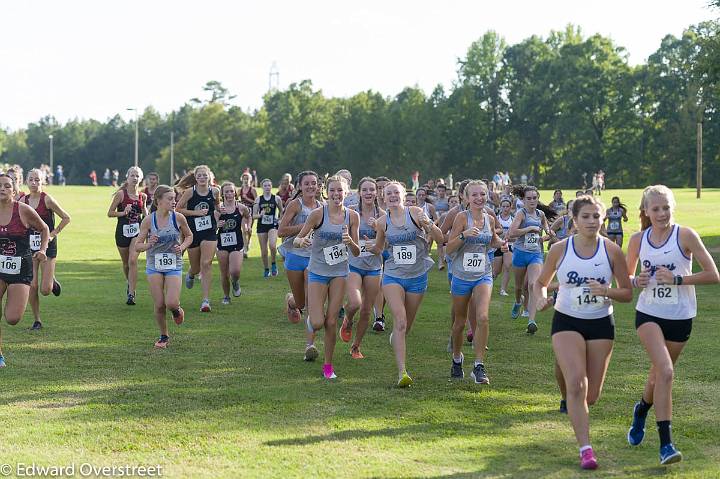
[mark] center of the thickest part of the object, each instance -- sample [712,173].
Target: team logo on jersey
[8,247]
[574,278]
[134,214]
[230,224]
[202,205]
[653,267]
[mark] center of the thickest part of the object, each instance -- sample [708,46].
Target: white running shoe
[503,293]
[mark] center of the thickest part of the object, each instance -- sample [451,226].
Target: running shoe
[189,281]
[515,310]
[669,455]
[456,370]
[162,343]
[532,327]
[329,372]
[405,380]
[293,314]
[273,269]
[226,300]
[311,353]
[341,313]
[479,375]
[355,352]
[56,288]
[525,314]
[236,288]
[37,325]
[563,406]
[470,337]
[179,316]
[636,434]
[266,273]
[588,459]
[503,293]
[130,299]
[379,324]
[2,362]
[205,306]
[346,330]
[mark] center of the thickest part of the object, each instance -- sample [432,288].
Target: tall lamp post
[50,137]
[136,133]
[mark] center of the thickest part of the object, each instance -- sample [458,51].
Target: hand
[505,248]
[425,221]
[52,237]
[470,232]
[371,222]
[127,210]
[221,223]
[643,279]
[664,275]
[597,289]
[40,256]
[346,239]
[545,303]
[303,242]
[534,229]
[152,239]
[177,249]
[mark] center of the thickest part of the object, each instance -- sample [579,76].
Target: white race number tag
[10,264]
[335,254]
[165,261]
[267,219]
[583,300]
[365,246]
[474,262]
[661,294]
[532,241]
[405,254]
[35,242]
[131,230]
[228,239]
[614,225]
[203,223]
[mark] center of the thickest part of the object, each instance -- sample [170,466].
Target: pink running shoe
[588,459]
[328,371]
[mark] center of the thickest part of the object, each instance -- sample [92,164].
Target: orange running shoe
[180,316]
[355,353]
[346,330]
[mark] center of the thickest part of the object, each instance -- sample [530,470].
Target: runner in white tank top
[666,306]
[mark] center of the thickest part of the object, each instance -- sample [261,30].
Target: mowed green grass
[232,397]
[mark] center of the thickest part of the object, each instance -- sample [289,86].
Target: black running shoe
[37,325]
[563,406]
[130,300]
[56,289]
[456,370]
[479,375]
[379,324]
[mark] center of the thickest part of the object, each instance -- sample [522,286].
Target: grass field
[232,397]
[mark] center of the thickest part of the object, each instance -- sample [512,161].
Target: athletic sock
[584,448]
[457,359]
[478,363]
[664,430]
[643,408]
[164,337]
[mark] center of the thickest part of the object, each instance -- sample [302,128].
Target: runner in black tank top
[267,209]
[16,220]
[46,207]
[230,214]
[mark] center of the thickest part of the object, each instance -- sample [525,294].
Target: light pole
[50,137]
[136,134]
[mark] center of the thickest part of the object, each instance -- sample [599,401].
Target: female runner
[335,232]
[267,209]
[230,216]
[46,207]
[248,195]
[616,214]
[666,306]
[286,189]
[197,203]
[503,260]
[160,234]
[583,327]
[129,205]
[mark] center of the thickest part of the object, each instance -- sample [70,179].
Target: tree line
[552,108]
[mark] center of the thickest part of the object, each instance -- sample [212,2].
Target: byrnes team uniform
[671,307]
[562,233]
[268,214]
[409,259]
[527,249]
[328,253]
[128,226]
[576,309]
[15,254]
[47,215]
[367,264]
[615,221]
[472,266]
[505,225]
[297,259]
[203,227]
[230,236]
[441,205]
[161,257]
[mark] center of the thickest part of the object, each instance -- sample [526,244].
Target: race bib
[365,247]
[335,254]
[532,241]
[474,262]
[131,230]
[165,261]
[583,300]
[228,239]
[405,254]
[203,223]
[614,225]
[10,264]
[35,242]
[661,294]
[267,219]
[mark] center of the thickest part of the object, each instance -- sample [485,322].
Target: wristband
[634,282]
[678,280]
[462,236]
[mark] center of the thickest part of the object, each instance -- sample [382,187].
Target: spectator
[106,177]
[59,175]
[93,177]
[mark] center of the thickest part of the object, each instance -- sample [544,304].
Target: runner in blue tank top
[160,236]
[405,277]
[335,236]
